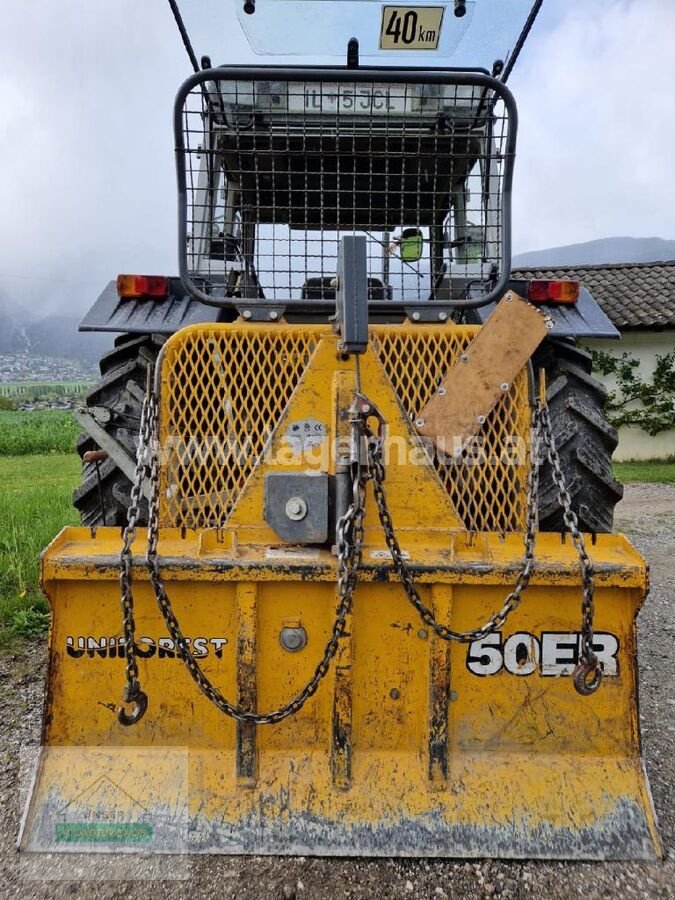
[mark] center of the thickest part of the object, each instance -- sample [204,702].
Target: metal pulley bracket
[296,506]
[351,294]
[484,372]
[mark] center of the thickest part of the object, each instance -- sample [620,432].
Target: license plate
[349,99]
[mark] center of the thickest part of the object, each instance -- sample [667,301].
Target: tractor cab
[397,127]
[276,166]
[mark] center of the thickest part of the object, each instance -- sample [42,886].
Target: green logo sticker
[103,832]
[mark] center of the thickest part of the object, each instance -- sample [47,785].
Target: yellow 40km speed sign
[411,27]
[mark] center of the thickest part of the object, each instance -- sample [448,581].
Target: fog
[88,188]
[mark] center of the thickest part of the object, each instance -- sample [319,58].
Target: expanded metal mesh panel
[276,170]
[486,479]
[224,389]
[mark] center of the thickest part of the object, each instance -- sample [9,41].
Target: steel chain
[588,673]
[349,540]
[512,601]
[132,691]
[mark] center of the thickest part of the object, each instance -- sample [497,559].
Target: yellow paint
[566,759]
[523,751]
[416,494]
[212,446]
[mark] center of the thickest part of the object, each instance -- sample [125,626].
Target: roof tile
[633,295]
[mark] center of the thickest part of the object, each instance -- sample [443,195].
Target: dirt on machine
[346,581]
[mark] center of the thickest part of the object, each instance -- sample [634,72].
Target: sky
[87,87]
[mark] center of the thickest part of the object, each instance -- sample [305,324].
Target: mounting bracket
[351,293]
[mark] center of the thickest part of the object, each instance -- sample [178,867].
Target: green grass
[41,431]
[651,471]
[35,503]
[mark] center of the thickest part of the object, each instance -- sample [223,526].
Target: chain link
[588,673]
[512,601]
[349,541]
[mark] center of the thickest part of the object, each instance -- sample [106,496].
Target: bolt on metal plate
[296,509]
[293,639]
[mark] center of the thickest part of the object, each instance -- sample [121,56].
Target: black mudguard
[147,316]
[583,319]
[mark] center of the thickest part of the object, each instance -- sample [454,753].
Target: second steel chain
[497,620]
[588,673]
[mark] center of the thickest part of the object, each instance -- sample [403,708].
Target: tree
[646,403]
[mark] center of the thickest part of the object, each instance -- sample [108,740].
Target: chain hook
[363,439]
[363,409]
[583,682]
[139,702]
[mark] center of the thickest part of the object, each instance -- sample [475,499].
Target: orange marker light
[553,291]
[142,286]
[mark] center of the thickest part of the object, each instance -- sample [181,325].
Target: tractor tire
[104,495]
[584,438]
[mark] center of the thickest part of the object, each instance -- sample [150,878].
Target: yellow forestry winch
[350,485]
[413,745]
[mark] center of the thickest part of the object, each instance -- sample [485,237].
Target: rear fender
[583,319]
[143,316]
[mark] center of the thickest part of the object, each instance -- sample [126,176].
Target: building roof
[633,295]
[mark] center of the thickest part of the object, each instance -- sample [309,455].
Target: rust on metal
[247,693]
[94,456]
[341,746]
[439,689]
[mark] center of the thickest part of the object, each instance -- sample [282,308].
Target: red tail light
[553,291]
[142,286]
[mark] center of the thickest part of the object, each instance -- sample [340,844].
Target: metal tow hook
[360,411]
[363,409]
[139,700]
[582,683]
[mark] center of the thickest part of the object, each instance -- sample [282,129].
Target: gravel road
[647,514]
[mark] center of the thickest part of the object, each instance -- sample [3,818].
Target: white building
[639,298]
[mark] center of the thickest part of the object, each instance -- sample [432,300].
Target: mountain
[602,251]
[51,336]
[13,338]
[14,319]
[58,336]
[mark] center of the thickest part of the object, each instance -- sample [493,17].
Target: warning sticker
[411,27]
[305,434]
